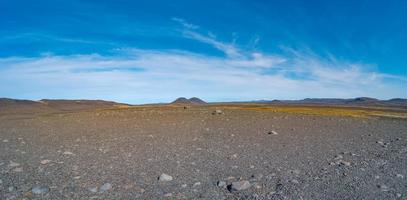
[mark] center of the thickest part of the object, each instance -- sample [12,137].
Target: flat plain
[214,151]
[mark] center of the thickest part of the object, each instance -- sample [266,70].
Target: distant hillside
[193,100]
[359,101]
[60,104]
[46,105]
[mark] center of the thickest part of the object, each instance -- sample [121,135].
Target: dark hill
[193,100]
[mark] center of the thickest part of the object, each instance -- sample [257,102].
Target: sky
[230,50]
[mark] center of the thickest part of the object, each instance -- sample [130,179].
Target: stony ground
[177,153]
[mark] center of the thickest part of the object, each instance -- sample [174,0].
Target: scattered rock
[221,184]
[240,185]
[13,164]
[383,144]
[93,189]
[399,176]
[40,189]
[295,181]
[217,112]
[272,133]
[383,188]
[257,176]
[168,195]
[345,163]
[11,188]
[196,184]
[105,187]
[165,177]
[44,162]
[68,153]
[233,156]
[18,169]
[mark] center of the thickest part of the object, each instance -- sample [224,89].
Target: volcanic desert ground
[55,149]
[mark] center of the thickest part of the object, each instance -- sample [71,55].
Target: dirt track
[78,155]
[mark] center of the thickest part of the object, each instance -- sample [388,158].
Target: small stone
[1,181]
[399,176]
[165,177]
[11,188]
[68,153]
[44,162]
[240,185]
[257,176]
[168,195]
[105,187]
[40,189]
[93,189]
[13,164]
[196,184]
[184,185]
[398,195]
[383,188]
[221,184]
[272,133]
[295,181]
[345,163]
[18,169]
[217,112]
[338,157]
[257,186]
[5,141]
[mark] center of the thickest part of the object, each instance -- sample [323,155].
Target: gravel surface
[201,153]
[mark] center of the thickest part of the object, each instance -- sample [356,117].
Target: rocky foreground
[200,153]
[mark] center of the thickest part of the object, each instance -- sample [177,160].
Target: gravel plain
[197,153]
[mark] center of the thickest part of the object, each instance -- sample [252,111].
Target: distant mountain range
[69,105]
[360,101]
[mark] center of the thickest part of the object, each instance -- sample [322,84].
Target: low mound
[21,106]
[193,100]
[46,105]
[69,105]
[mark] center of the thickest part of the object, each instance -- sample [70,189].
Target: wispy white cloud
[185,23]
[141,76]
[189,31]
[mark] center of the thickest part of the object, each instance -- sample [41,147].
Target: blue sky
[156,51]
